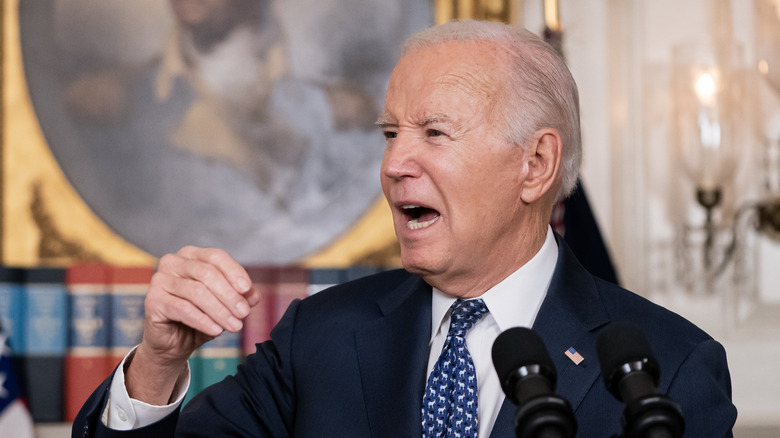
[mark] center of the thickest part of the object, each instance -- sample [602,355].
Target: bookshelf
[81,320]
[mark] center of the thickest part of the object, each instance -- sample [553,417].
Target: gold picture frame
[45,221]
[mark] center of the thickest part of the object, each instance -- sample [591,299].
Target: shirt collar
[515,301]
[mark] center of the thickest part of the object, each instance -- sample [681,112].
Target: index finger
[234,273]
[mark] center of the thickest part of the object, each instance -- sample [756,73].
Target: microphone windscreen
[518,347]
[620,343]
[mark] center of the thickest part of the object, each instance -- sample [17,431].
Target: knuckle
[157,281]
[166,262]
[187,312]
[187,250]
[216,255]
[199,292]
[209,274]
[221,314]
[153,294]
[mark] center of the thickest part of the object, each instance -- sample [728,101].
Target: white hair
[541,92]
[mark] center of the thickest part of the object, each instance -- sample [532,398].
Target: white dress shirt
[512,303]
[125,413]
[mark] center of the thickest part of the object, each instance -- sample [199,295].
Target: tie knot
[465,313]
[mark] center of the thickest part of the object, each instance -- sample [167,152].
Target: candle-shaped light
[551,16]
[709,130]
[705,89]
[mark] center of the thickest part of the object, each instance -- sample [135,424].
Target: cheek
[493,191]
[486,179]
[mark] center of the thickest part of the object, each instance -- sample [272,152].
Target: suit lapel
[568,318]
[570,313]
[505,422]
[393,356]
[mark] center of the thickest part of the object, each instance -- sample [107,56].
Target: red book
[258,324]
[87,361]
[293,284]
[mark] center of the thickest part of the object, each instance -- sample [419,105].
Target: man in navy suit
[481,122]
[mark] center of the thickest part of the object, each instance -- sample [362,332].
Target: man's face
[451,178]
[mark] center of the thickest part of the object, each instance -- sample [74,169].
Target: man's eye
[434,133]
[390,134]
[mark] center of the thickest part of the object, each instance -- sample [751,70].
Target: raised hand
[194,296]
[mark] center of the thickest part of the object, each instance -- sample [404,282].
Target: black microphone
[631,374]
[527,376]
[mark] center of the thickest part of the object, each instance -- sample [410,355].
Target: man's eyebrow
[385,121]
[433,118]
[388,121]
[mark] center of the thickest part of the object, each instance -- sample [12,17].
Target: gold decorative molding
[490,10]
[27,162]
[371,241]
[53,247]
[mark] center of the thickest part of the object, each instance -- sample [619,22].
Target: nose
[401,158]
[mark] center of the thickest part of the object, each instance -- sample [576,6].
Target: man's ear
[543,161]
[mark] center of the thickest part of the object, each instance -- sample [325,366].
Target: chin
[416,263]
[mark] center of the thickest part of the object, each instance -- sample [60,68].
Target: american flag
[15,419]
[575,357]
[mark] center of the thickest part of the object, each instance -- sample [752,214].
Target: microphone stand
[653,416]
[545,416]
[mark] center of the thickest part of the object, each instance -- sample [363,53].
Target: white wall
[620,54]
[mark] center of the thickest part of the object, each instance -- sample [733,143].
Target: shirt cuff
[125,413]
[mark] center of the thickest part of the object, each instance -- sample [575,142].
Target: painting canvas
[241,124]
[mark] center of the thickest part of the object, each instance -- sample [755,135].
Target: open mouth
[419,217]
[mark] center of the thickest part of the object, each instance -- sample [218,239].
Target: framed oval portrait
[246,125]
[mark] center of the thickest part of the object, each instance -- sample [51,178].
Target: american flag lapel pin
[575,357]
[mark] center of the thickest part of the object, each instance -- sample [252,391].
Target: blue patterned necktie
[450,400]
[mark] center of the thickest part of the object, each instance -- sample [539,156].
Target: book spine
[12,306]
[128,285]
[359,271]
[257,325]
[293,284]
[219,358]
[213,361]
[323,278]
[87,362]
[45,342]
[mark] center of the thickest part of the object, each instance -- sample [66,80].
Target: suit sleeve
[88,424]
[258,401]
[702,386]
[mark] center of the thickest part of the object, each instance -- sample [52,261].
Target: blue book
[45,342]
[323,278]
[12,305]
[359,271]
[128,292]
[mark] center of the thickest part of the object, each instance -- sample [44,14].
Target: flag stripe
[575,357]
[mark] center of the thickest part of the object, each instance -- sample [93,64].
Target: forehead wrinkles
[429,72]
[481,87]
[473,83]
[476,85]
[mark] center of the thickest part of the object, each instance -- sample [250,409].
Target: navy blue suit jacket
[351,362]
